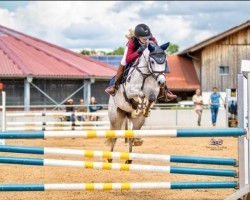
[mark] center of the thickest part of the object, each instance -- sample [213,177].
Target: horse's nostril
[160,83]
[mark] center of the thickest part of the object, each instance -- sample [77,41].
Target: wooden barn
[217,60]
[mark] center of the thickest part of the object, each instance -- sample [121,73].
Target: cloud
[6,17]
[90,30]
[103,24]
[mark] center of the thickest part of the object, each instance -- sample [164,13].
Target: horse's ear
[151,48]
[165,46]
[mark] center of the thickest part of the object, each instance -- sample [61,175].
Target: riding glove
[142,48]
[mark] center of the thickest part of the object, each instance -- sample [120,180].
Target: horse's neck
[143,61]
[141,64]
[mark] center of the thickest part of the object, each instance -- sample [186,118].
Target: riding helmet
[143,31]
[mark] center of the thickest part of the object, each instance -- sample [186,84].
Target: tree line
[172,49]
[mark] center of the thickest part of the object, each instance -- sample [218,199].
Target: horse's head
[157,62]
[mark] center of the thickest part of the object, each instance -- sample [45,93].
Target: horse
[135,97]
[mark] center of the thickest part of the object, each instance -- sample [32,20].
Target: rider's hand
[142,48]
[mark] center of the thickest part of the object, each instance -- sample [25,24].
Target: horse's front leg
[152,99]
[135,93]
[147,110]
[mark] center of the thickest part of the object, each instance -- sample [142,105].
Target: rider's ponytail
[131,34]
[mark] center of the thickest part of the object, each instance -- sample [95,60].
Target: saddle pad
[123,77]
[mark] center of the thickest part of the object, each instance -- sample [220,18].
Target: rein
[151,72]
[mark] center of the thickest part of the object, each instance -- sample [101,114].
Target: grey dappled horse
[135,97]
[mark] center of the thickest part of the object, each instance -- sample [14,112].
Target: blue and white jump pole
[118,166]
[117,186]
[234,132]
[118,155]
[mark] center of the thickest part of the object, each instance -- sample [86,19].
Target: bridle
[150,71]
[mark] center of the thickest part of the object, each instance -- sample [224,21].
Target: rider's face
[142,40]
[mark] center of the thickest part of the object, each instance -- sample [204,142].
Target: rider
[134,48]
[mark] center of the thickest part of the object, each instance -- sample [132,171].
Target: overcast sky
[79,25]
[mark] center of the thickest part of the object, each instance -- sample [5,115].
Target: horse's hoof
[110,160]
[140,100]
[137,112]
[128,161]
[147,114]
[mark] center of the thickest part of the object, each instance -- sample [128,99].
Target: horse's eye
[152,62]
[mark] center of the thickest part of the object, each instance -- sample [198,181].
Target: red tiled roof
[22,55]
[182,74]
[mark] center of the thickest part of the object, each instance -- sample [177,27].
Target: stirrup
[106,90]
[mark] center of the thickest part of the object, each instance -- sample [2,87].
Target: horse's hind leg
[116,117]
[137,124]
[131,141]
[112,146]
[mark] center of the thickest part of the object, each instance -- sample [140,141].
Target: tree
[173,48]
[85,52]
[118,51]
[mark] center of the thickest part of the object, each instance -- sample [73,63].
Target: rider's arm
[123,61]
[131,54]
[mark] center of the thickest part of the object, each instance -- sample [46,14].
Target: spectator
[70,108]
[93,108]
[214,102]
[233,109]
[198,104]
[81,108]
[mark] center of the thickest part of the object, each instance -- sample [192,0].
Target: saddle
[124,76]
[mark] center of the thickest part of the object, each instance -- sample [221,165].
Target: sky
[102,25]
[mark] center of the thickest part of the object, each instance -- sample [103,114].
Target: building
[112,60]
[182,79]
[217,60]
[35,72]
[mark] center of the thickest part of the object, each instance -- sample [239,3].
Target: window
[224,70]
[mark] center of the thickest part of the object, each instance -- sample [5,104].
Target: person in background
[214,102]
[198,104]
[81,108]
[93,108]
[70,108]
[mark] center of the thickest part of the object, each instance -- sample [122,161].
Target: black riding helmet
[143,31]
